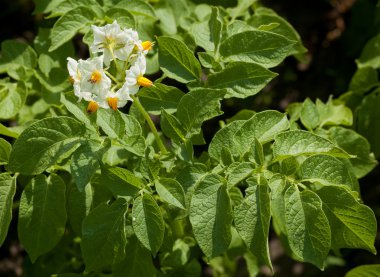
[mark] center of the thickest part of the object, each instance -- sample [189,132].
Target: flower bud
[92,107]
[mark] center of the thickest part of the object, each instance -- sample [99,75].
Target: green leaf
[111,122]
[367,123]
[252,218]
[121,181]
[7,192]
[79,205]
[159,97]
[364,79]
[211,215]
[137,7]
[264,48]
[355,145]
[298,142]
[104,238]
[326,170]
[7,132]
[334,113]
[237,172]
[208,61]
[216,26]
[42,214]
[370,55]
[85,162]
[372,270]
[265,16]
[5,149]
[79,110]
[241,79]
[353,224]
[12,99]
[177,61]
[148,222]
[137,261]
[68,5]
[124,18]
[308,228]
[51,138]
[171,191]
[133,141]
[202,35]
[171,127]
[15,53]
[198,106]
[239,136]
[69,24]
[309,114]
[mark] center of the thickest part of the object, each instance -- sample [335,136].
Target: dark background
[334,32]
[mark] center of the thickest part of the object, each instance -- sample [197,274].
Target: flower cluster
[91,79]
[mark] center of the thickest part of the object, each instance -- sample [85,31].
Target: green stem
[150,123]
[115,61]
[111,76]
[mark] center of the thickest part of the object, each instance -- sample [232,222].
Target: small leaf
[237,172]
[104,238]
[372,270]
[148,223]
[159,97]
[211,215]
[42,214]
[124,18]
[241,79]
[7,192]
[326,170]
[51,138]
[12,99]
[137,261]
[353,224]
[121,181]
[69,24]
[298,142]
[264,48]
[355,145]
[5,149]
[307,226]
[370,54]
[137,7]
[252,218]
[111,122]
[177,61]
[198,106]
[309,114]
[171,191]
[172,128]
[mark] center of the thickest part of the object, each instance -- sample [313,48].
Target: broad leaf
[7,192]
[309,115]
[326,170]
[355,145]
[159,97]
[42,214]
[12,99]
[265,48]
[177,61]
[79,205]
[370,54]
[172,128]
[15,53]
[211,215]
[121,181]
[137,7]
[171,191]
[198,106]
[124,18]
[241,79]
[69,24]
[252,218]
[307,226]
[111,122]
[5,149]
[44,142]
[353,224]
[148,222]
[103,235]
[372,270]
[298,142]
[137,261]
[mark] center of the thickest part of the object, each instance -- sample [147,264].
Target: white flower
[111,40]
[94,83]
[118,99]
[134,76]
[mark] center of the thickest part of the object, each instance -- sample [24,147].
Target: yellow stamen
[96,77]
[147,45]
[92,107]
[144,82]
[71,80]
[112,102]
